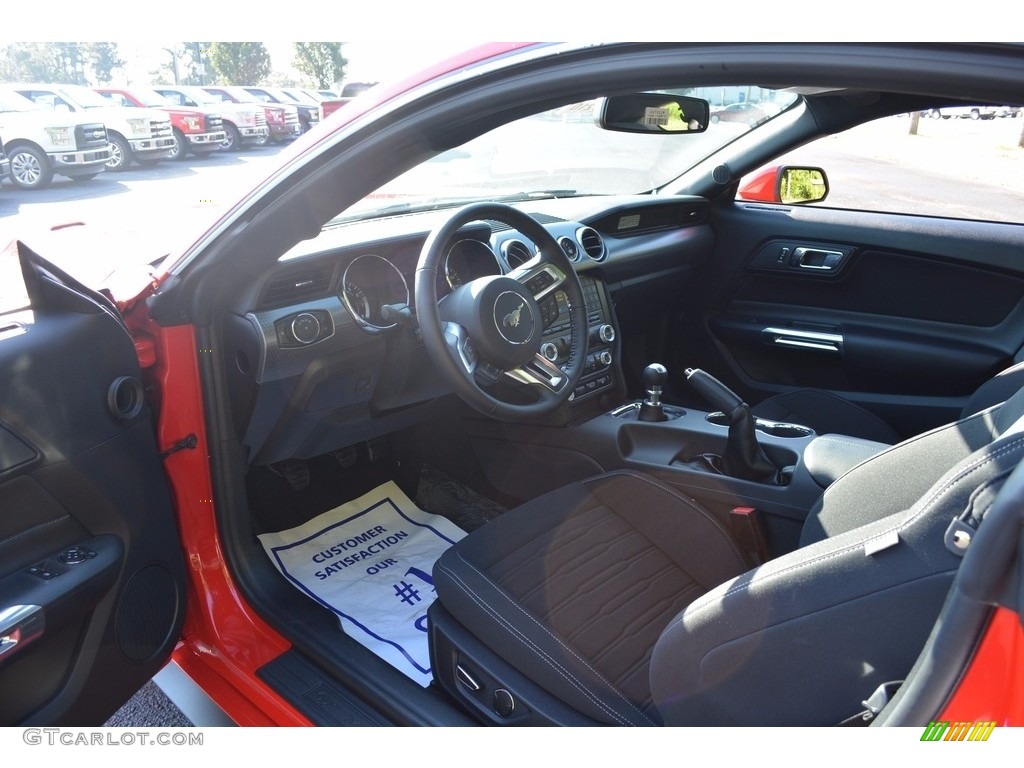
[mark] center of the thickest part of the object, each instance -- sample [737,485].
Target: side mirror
[659,113]
[790,185]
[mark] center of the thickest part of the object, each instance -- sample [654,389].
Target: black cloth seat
[825,412]
[630,604]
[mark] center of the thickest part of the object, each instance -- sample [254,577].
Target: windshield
[234,93]
[199,96]
[150,98]
[15,102]
[564,153]
[83,96]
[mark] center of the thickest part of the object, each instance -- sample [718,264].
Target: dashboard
[328,354]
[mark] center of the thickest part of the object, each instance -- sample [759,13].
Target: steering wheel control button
[539,282]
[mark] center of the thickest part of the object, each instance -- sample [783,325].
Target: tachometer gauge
[356,301]
[370,282]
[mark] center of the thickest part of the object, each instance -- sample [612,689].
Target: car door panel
[92,579]
[903,314]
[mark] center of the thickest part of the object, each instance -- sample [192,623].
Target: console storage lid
[828,457]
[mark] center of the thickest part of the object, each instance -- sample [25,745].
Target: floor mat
[369,561]
[462,505]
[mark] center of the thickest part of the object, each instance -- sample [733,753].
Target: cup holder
[784,430]
[774,428]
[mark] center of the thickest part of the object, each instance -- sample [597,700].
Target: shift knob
[655,375]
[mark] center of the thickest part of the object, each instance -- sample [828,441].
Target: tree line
[188,63]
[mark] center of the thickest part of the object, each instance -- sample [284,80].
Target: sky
[390,40]
[368,61]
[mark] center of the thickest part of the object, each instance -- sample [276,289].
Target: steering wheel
[492,327]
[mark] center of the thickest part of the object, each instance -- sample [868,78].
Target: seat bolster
[803,639]
[999,388]
[895,478]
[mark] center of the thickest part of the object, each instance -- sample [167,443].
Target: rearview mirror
[653,113]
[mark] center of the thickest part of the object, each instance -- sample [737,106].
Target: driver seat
[618,600]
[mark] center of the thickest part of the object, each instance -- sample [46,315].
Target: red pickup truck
[198,130]
[349,92]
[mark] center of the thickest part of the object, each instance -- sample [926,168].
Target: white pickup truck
[143,135]
[40,143]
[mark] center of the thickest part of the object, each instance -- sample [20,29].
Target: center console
[782,469]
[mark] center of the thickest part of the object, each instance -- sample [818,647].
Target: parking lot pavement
[170,700]
[149,708]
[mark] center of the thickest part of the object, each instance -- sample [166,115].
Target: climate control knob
[604,334]
[549,350]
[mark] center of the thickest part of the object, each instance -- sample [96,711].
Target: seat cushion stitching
[33,529]
[679,497]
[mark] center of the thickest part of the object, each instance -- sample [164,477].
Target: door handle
[817,258]
[800,339]
[19,626]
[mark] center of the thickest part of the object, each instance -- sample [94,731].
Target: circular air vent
[592,243]
[570,248]
[516,253]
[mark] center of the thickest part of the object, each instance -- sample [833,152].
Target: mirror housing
[659,113]
[786,184]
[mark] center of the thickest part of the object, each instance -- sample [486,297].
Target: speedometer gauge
[467,260]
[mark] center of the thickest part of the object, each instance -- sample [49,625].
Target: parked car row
[74,131]
[979,112]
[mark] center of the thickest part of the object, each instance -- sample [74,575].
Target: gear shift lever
[743,455]
[654,377]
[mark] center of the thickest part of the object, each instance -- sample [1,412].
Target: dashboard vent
[298,286]
[592,243]
[516,253]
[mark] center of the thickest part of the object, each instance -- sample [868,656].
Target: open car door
[92,577]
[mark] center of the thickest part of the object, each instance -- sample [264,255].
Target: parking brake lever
[715,392]
[743,456]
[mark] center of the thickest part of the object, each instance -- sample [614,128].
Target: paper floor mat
[369,561]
